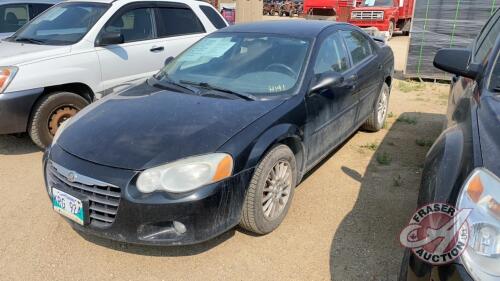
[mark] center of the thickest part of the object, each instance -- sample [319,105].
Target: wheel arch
[286,134]
[78,88]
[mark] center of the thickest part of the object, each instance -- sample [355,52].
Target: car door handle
[155,49]
[350,82]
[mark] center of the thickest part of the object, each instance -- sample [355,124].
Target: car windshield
[12,17]
[63,24]
[378,3]
[257,64]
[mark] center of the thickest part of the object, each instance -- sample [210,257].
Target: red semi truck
[383,16]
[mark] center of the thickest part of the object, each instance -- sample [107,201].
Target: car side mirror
[325,81]
[168,60]
[110,38]
[457,61]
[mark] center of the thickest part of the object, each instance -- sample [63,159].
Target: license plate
[68,206]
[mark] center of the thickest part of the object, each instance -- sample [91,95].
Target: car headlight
[481,193]
[186,174]
[7,73]
[59,131]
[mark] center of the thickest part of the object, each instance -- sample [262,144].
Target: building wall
[246,10]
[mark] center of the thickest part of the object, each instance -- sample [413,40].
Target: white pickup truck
[79,51]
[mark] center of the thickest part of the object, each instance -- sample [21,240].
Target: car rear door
[178,27]
[367,71]
[331,112]
[141,55]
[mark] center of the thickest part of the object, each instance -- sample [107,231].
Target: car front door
[332,111]
[367,70]
[140,55]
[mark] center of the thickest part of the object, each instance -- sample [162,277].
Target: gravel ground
[343,224]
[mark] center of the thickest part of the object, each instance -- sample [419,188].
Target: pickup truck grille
[104,198]
[367,15]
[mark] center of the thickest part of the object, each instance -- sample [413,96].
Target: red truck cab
[383,16]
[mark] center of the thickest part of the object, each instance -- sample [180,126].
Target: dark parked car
[221,136]
[463,166]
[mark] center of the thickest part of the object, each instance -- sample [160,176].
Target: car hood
[144,126]
[13,53]
[488,119]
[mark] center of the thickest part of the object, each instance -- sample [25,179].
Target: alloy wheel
[277,190]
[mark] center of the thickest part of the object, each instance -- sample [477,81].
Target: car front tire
[270,192]
[49,112]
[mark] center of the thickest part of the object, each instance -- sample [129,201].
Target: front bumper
[15,110]
[414,269]
[149,219]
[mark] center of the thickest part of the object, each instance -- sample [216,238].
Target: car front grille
[367,15]
[104,198]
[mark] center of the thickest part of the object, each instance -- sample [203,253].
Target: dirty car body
[467,148]
[166,119]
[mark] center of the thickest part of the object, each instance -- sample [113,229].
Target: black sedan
[221,136]
[463,166]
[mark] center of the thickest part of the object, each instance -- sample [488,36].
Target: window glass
[63,24]
[486,40]
[358,45]
[37,9]
[332,56]
[178,21]
[13,17]
[214,17]
[259,64]
[134,25]
[379,3]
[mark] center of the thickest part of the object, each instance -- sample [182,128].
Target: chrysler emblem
[72,176]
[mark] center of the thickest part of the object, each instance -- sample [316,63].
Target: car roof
[3,2]
[293,28]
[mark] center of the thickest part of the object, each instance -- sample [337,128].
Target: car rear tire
[377,118]
[391,30]
[270,192]
[48,114]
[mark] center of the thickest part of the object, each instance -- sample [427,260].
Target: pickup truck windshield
[63,24]
[261,65]
[378,3]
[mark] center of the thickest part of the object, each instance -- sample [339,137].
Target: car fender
[271,137]
[446,167]
[77,68]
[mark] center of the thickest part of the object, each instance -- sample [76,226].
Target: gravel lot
[343,224]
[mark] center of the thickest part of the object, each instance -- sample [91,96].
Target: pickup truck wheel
[391,29]
[271,190]
[48,114]
[377,118]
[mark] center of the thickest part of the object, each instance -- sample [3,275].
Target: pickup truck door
[331,112]
[367,69]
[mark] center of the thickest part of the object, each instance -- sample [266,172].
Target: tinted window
[134,25]
[36,9]
[358,45]
[178,21]
[13,17]
[63,24]
[487,39]
[214,17]
[332,56]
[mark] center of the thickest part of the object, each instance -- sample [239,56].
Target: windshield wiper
[167,80]
[29,40]
[208,86]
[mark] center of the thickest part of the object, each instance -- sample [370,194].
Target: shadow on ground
[365,246]
[17,145]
